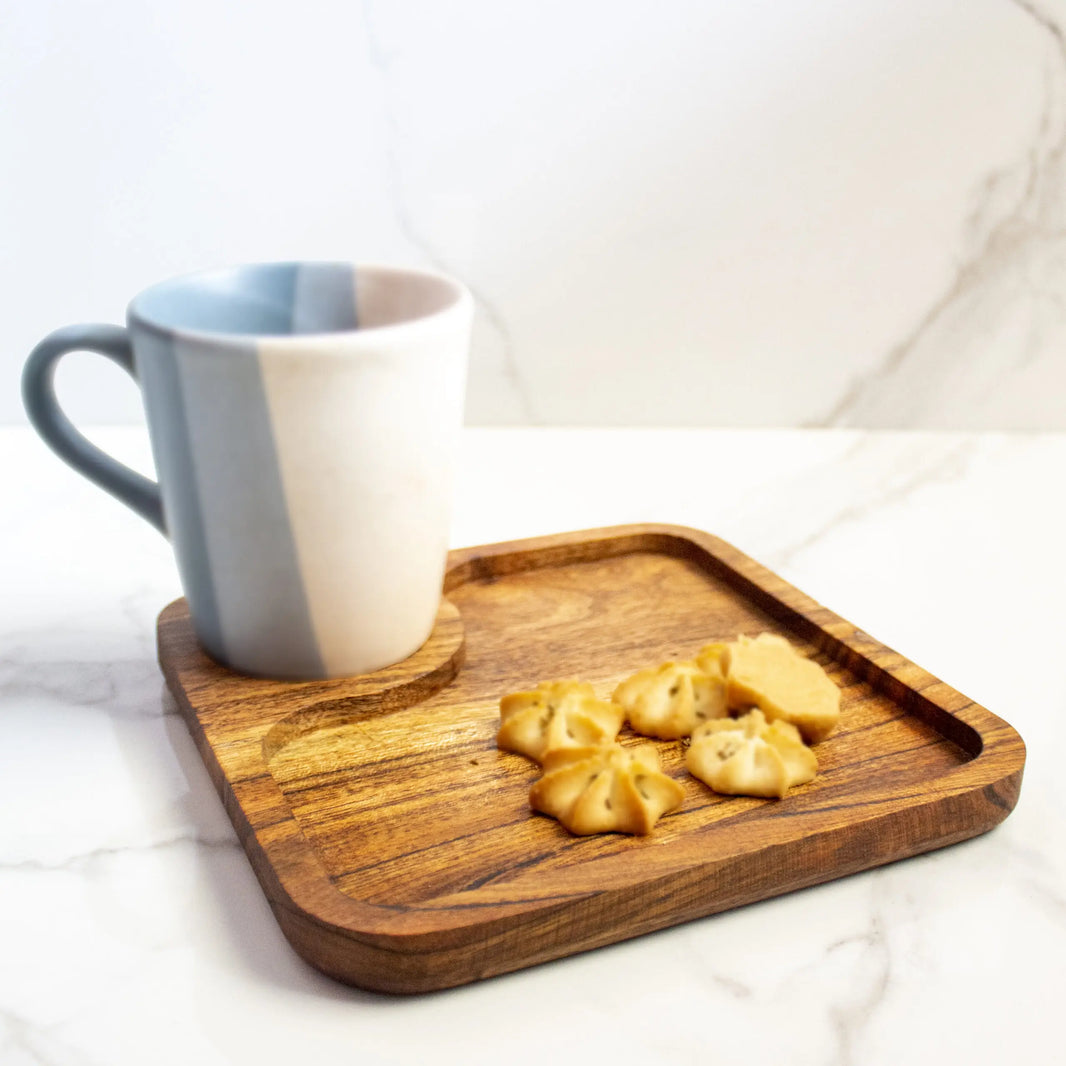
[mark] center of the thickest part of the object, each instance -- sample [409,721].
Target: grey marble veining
[912,468]
[1000,323]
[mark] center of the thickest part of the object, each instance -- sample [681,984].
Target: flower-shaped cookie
[556,714]
[605,789]
[750,757]
[769,673]
[670,700]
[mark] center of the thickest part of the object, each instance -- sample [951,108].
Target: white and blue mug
[303,420]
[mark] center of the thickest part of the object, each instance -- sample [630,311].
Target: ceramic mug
[303,420]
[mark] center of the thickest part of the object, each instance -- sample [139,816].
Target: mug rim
[460,297]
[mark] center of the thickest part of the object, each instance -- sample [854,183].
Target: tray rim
[308,904]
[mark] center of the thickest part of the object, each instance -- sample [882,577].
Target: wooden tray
[395,843]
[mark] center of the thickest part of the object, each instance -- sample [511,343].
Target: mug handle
[39,397]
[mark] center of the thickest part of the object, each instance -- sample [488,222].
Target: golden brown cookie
[605,789]
[670,700]
[556,714]
[769,673]
[750,757]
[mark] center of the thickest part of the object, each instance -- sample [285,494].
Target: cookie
[605,789]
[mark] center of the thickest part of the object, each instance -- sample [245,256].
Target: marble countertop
[134,931]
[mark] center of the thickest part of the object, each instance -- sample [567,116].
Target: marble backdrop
[682,212]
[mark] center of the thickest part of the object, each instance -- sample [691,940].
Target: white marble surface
[689,213]
[133,929]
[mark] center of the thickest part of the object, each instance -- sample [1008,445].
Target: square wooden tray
[395,843]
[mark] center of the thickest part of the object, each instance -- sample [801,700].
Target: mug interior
[292,299]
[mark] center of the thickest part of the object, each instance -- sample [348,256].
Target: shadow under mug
[303,419]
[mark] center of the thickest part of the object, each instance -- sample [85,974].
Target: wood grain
[395,842]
